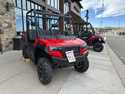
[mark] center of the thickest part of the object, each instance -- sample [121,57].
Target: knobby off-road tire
[98,47]
[44,70]
[25,52]
[82,66]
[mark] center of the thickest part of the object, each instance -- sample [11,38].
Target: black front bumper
[63,62]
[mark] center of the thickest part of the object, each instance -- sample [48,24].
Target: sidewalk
[20,77]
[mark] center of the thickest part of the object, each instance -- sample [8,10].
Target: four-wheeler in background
[87,33]
[49,48]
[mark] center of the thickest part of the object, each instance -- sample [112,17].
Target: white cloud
[111,7]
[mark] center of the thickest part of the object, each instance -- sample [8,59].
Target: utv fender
[98,41]
[95,41]
[40,51]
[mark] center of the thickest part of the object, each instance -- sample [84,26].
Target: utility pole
[87,19]
[119,23]
[87,16]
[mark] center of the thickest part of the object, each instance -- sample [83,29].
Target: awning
[75,18]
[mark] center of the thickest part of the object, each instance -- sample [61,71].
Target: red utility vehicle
[50,49]
[87,33]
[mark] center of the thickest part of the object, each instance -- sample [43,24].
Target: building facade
[76,7]
[74,11]
[7,24]
[58,6]
[13,15]
[22,6]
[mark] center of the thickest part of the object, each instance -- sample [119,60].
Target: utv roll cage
[36,20]
[81,28]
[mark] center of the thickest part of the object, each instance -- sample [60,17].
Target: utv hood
[64,42]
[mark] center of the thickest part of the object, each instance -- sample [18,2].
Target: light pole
[119,23]
[87,19]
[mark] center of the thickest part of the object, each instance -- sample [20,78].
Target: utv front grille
[76,50]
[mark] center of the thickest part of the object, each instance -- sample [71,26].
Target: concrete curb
[117,64]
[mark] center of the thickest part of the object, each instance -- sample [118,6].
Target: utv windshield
[46,25]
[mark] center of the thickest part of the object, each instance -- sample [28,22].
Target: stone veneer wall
[7,24]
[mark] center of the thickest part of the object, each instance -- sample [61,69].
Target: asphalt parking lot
[117,43]
[19,76]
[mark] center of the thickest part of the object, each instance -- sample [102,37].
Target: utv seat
[85,35]
[32,35]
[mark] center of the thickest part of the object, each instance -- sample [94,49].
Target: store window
[53,3]
[18,20]
[66,8]
[22,6]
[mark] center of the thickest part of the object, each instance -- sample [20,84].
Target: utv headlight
[51,48]
[84,45]
[100,39]
[104,38]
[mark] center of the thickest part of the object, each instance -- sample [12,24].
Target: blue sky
[114,21]
[105,13]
